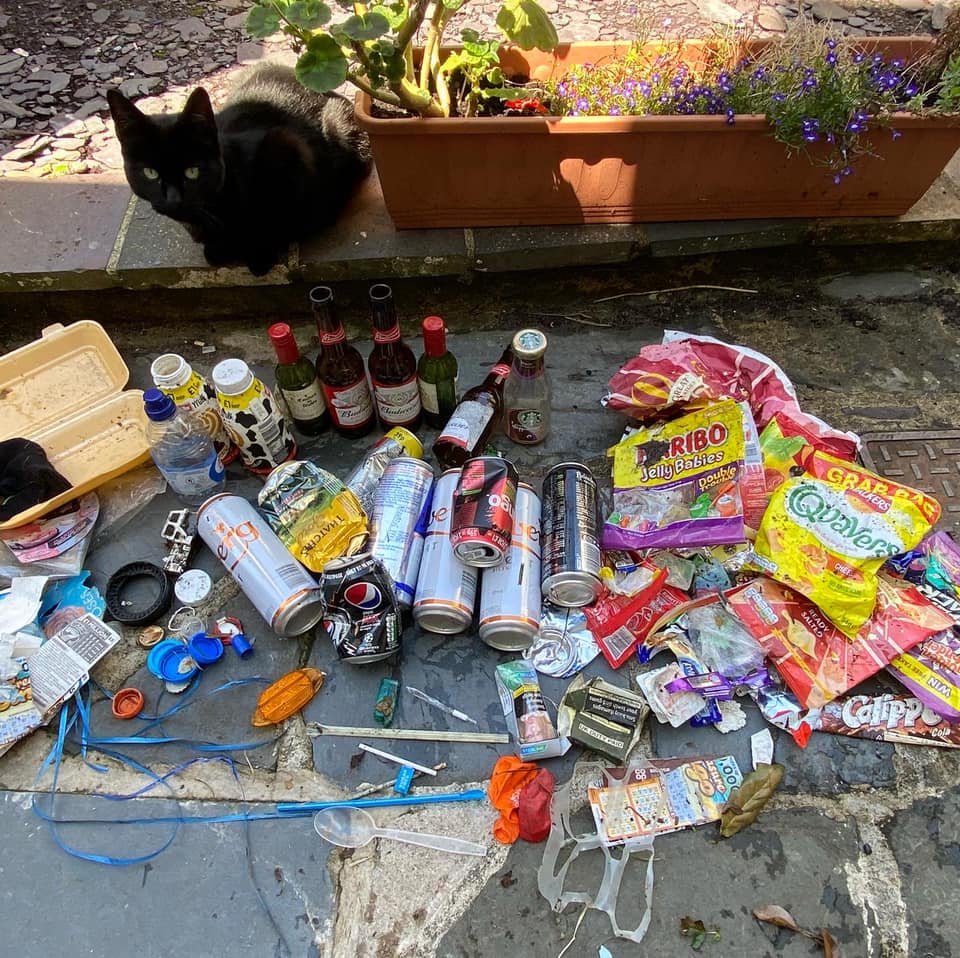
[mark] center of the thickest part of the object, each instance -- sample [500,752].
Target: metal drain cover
[927,460]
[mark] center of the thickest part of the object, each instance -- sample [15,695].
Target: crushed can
[362,618]
[483,509]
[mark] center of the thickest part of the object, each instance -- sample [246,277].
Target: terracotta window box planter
[515,171]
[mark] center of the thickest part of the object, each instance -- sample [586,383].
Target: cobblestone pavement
[57,58]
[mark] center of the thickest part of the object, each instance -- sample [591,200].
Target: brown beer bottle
[340,371]
[392,365]
[476,417]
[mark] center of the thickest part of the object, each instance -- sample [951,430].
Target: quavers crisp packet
[678,483]
[826,534]
[817,661]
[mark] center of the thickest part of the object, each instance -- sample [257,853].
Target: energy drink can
[365,478]
[510,592]
[398,524]
[569,528]
[281,590]
[362,617]
[446,588]
[483,508]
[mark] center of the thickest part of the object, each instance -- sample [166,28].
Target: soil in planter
[493,106]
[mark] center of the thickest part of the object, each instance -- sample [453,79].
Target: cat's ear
[126,117]
[198,110]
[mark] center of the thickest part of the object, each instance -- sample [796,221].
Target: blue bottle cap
[205,649]
[158,406]
[157,653]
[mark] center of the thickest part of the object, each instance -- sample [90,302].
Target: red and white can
[446,588]
[483,509]
[280,588]
[510,592]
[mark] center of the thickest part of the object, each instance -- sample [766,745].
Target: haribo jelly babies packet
[679,483]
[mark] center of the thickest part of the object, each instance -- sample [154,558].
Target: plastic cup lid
[205,649]
[158,651]
[193,586]
[177,665]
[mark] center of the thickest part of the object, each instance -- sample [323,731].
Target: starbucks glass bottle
[297,382]
[476,417]
[341,371]
[392,365]
[526,396]
[436,374]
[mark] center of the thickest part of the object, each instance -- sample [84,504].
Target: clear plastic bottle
[526,395]
[182,449]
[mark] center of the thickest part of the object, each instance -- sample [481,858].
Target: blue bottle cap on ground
[157,652]
[241,646]
[178,665]
[205,649]
[157,405]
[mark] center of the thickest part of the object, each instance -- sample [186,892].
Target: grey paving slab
[64,229]
[791,858]
[696,238]
[925,839]
[365,244]
[197,898]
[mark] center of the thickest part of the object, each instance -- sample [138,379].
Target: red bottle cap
[284,344]
[434,336]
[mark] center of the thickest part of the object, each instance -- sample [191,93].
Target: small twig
[576,928]
[575,318]
[676,289]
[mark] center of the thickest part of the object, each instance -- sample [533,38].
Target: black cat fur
[276,164]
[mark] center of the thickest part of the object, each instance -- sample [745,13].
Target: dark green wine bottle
[298,383]
[437,374]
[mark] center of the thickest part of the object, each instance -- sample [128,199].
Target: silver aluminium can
[446,588]
[570,536]
[281,589]
[510,592]
[398,523]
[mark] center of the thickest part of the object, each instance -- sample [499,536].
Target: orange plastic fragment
[287,695]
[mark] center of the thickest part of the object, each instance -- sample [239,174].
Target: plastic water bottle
[182,449]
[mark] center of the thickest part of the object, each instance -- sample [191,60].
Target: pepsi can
[446,588]
[362,617]
[398,523]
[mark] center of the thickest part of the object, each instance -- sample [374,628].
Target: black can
[569,523]
[362,618]
[484,504]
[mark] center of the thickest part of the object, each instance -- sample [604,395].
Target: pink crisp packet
[686,372]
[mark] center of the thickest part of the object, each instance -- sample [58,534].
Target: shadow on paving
[795,859]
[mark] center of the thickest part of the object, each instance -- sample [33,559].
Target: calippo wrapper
[885,718]
[817,661]
[827,533]
[687,372]
[678,483]
[931,670]
[619,622]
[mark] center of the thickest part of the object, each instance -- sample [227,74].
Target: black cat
[277,163]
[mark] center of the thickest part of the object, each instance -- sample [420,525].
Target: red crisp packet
[619,622]
[817,661]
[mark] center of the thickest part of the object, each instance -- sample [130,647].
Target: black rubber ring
[131,615]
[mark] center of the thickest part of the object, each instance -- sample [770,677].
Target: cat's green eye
[150,173]
[192,173]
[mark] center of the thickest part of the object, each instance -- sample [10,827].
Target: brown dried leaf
[830,949]
[775,915]
[748,800]
[507,879]
[356,759]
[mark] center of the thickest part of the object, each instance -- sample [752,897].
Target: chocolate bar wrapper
[885,718]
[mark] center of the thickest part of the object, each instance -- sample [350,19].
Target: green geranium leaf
[469,36]
[368,26]
[527,24]
[322,66]
[262,21]
[308,14]
[393,13]
[453,4]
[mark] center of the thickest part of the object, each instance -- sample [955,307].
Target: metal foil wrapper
[364,480]
[565,645]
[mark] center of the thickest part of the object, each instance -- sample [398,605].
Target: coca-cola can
[483,508]
[570,536]
[510,591]
[362,618]
[280,588]
[398,524]
[446,588]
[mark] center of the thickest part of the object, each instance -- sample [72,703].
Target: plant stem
[384,96]
[414,19]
